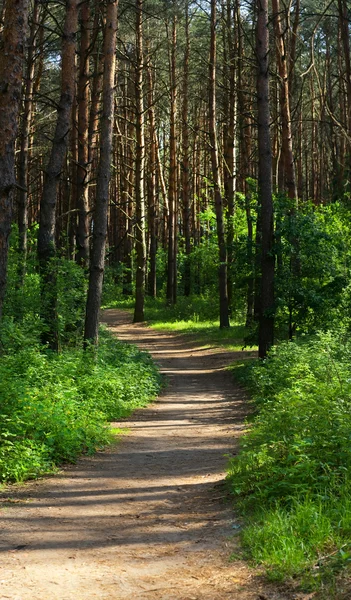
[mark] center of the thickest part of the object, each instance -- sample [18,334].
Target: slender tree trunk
[46,234]
[82,256]
[266,319]
[172,187]
[71,191]
[11,71]
[97,263]
[345,39]
[139,171]
[287,149]
[229,148]
[153,196]
[223,281]
[23,161]
[185,158]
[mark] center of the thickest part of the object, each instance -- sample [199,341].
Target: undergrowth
[55,407]
[292,477]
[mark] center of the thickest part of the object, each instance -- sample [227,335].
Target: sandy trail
[148,518]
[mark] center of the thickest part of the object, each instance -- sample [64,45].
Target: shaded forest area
[195,156]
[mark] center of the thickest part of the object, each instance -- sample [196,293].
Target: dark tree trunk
[266,318]
[23,161]
[153,196]
[289,177]
[82,256]
[223,268]
[97,263]
[229,139]
[46,234]
[139,171]
[172,188]
[185,159]
[11,71]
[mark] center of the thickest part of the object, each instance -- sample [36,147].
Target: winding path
[148,518]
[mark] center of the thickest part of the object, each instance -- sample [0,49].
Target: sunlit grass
[191,317]
[207,332]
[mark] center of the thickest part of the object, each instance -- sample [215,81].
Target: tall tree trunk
[23,161]
[82,256]
[139,171]
[345,39]
[287,149]
[11,71]
[46,234]
[153,195]
[229,146]
[97,263]
[266,317]
[223,268]
[185,158]
[172,187]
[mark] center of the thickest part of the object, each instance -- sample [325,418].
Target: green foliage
[22,321]
[313,262]
[292,474]
[55,407]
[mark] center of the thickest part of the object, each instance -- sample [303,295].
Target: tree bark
[11,71]
[229,139]
[266,316]
[82,256]
[345,39]
[97,263]
[172,185]
[185,158]
[287,148]
[46,234]
[153,195]
[139,171]
[223,268]
[23,161]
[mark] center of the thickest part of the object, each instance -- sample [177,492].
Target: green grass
[291,478]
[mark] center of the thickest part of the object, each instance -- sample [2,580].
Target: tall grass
[292,477]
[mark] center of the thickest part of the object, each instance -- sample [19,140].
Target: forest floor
[149,518]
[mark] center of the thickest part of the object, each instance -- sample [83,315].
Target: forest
[189,161]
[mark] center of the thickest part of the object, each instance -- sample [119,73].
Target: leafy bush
[292,474]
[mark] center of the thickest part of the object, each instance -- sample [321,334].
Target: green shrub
[292,475]
[55,407]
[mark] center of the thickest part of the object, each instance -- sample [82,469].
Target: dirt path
[147,519]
